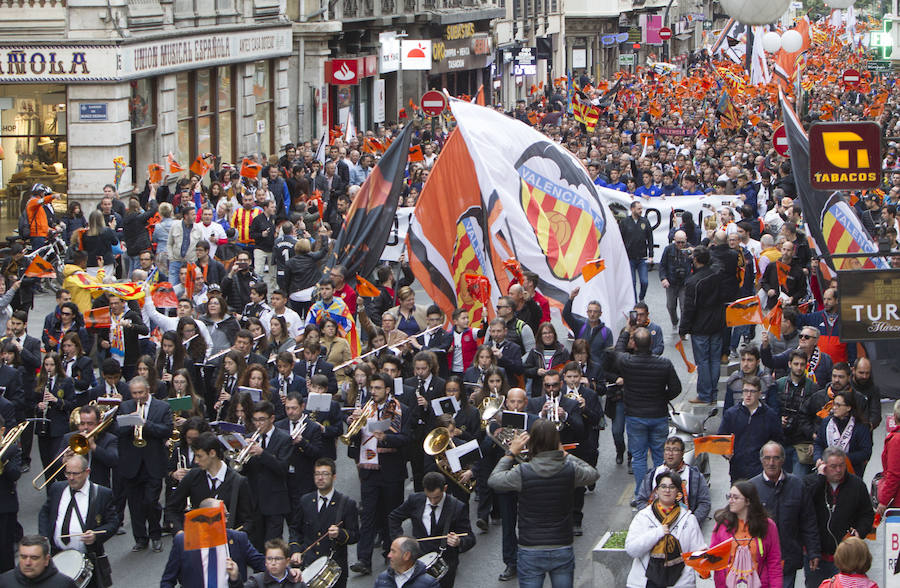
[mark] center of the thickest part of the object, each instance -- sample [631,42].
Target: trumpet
[138,440]
[368,411]
[243,456]
[9,440]
[299,432]
[174,440]
[553,417]
[436,443]
[79,444]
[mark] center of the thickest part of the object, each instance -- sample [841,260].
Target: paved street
[606,508]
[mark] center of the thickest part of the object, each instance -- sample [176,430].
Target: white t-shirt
[212,233]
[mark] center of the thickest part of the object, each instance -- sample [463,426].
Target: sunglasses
[807,336]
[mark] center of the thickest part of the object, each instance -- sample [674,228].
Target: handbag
[804,453]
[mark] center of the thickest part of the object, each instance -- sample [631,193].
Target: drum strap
[446,528]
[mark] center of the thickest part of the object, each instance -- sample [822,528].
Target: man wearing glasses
[694,489]
[674,269]
[753,424]
[818,364]
[276,573]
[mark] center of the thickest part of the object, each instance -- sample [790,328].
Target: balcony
[442,9]
[145,14]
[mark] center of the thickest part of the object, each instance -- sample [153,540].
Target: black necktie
[67,520]
[264,437]
[169,364]
[213,483]
[433,529]
[324,503]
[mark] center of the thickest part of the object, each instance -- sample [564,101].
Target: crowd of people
[241,393]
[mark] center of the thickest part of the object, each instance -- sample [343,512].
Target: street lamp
[755,12]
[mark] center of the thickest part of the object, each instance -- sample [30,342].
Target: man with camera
[674,268]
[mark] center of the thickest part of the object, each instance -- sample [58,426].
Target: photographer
[236,285]
[637,319]
[674,268]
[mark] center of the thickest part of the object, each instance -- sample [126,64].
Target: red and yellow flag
[513,266]
[40,268]
[717,444]
[205,527]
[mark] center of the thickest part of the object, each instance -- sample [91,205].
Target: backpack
[741,573]
[24,225]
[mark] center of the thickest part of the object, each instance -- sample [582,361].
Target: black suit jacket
[268,473]
[157,430]
[63,391]
[12,471]
[393,463]
[14,391]
[185,568]
[100,390]
[510,358]
[296,385]
[454,518]
[101,515]
[319,367]
[304,454]
[439,343]
[333,423]
[234,492]
[421,415]
[8,411]
[82,373]
[573,429]
[102,459]
[132,345]
[309,524]
[31,362]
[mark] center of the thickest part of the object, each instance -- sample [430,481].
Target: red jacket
[469,346]
[544,303]
[889,487]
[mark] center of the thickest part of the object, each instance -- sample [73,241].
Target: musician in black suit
[331,423]
[306,439]
[433,513]
[143,468]
[30,353]
[125,344]
[243,344]
[310,364]
[9,499]
[110,385]
[267,470]
[508,354]
[12,392]
[57,401]
[418,392]
[104,446]
[8,412]
[568,411]
[212,478]
[587,450]
[437,341]
[382,468]
[336,516]
[285,380]
[84,510]
[76,364]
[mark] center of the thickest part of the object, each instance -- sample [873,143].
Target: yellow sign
[838,148]
[463,30]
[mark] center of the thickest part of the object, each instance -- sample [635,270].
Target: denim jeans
[559,564]
[618,427]
[644,434]
[707,349]
[174,271]
[788,579]
[639,269]
[792,463]
[674,298]
[825,570]
[736,333]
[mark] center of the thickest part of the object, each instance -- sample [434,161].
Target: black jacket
[258,225]
[304,271]
[132,344]
[637,236]
[320,366]
[234,491]
[794,515]
[100,516]
[702,313]
[236,289]
[267,473]
[49,578]
[852,510]
[12,471]
[675,265]
[82,373]
[135,232]
[309,524]
[454,519]
[103,459]
[724,261]
[156,431]
[419,578]
[58,410]
[650,383]
[304,454]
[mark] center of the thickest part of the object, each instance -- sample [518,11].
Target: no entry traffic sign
[433,103]
[665,33]
[851,77]
[780,142]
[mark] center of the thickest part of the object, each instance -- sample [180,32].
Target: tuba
[436,444]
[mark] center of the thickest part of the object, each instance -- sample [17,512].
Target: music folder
[463,456]
[514,420]
[445,405]
[318,402]
[255,393]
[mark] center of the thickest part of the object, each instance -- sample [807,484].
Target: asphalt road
[606,508]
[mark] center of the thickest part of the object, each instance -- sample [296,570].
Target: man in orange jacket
[40,215]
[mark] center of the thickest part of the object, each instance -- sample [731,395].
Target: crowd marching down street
[459,312]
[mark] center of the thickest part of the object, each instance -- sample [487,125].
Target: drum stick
[98,532]
[322,536]
[436,537]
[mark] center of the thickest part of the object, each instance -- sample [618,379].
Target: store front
[460,59]
[351,90]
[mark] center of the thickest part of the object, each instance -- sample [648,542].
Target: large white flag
[542,209]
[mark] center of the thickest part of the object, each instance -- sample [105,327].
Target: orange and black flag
[97,318]
[513,266]
[717,444]
[205,527]
[744,311]
[155,173]
[163,294]
[710,560]
[592,268]
[40,268]
[370,220]
[772,320]
[174,166]
[784,270]
[365,288]
[480,287]
[200,166]
[249,168]
[415,153]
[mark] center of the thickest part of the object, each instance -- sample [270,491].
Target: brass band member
[9,499]
[104,446]
[57,399]
[231,370]
[432,513]
[448,421]
[306,441]
[589,405]
[331,423]
[319,514]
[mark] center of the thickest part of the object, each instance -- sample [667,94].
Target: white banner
[659,211]
[396,243]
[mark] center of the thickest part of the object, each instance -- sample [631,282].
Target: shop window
[264,92]
[206,118]
[33,147]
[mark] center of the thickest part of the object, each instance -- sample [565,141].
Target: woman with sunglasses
[68,319]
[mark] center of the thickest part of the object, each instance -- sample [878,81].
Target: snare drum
[322,573]
[74,564]
[435,564]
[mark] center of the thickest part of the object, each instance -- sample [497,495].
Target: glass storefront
[264,91]
[142,113]
[205,112]
[33,145]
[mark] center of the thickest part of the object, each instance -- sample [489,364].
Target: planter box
[610,566]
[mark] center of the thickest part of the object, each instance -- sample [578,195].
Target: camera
[632,318]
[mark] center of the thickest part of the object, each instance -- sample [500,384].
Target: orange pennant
[691,368]
[249,168]
[205,527]
[744,311]
[97,318]
[513,266]
[40,268]
[716,444]
[174,166]
[155,173]
[189,281]
[592,267]
[316,201]
[200,166]
[784,269]
[710,560]
[479,287]
[163,295]
[415,153]
[875,523]
[772,320]
[366,288]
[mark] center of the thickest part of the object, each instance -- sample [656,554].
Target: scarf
[835,437]
[666,564]
[117,338]
[812,364]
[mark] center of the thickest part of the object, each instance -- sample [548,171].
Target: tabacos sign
[845,156]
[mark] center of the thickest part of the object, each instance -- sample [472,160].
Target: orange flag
[97,318]
[40,268]
[772,320]
[744,311]
[155,171]
[249,168]
[513,266]
[316,201]
[479,97]
[479,287]
[163,295]
[205,527]
[366,288]
[174,166]
[717,444]
[415,153]
[709,560]
[783,270]
[200,166]
[189,281]
[680,347]
[592,267]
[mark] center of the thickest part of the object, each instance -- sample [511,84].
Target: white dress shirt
[82,498]
[219,476]
[221,556]
[426,514]
[327,498]
[403,578]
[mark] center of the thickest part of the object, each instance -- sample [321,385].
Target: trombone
[9,440]
[79,444]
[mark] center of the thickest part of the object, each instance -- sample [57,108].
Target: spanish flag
[717,444]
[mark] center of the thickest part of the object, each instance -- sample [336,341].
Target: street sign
[626,59]
[665,33]
[851,77]
[879,66]
[845,156]
[433,103]
[780,142]
[621,37]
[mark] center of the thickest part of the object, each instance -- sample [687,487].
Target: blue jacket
[858,451]
[794,515]
[751,432]
[185,568]
[419,579]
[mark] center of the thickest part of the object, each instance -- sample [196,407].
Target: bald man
[674,268]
